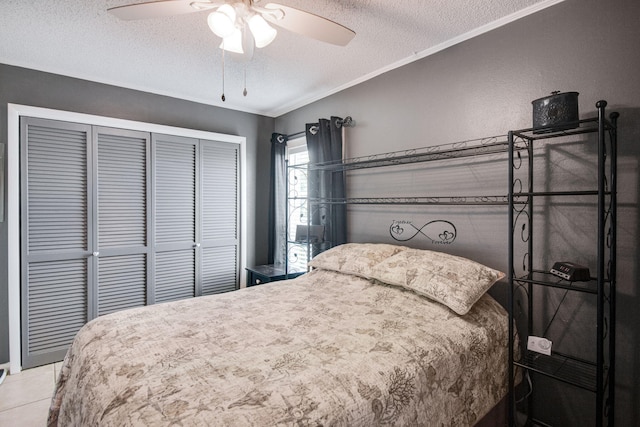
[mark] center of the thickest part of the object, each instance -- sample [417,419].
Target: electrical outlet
[539,345]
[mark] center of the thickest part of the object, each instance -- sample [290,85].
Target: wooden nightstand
[269,273]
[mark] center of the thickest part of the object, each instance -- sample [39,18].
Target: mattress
[326,348]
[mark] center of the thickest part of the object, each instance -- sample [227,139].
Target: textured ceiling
[178,55]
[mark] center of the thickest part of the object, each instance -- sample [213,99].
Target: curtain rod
[346,122]
[296,135]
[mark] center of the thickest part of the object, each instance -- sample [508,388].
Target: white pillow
[355,258]
[448,279]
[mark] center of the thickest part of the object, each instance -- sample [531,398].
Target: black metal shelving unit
[298,200]
[456,150]
[527,277]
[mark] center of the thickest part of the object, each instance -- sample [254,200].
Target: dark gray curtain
[324,144]
[278,200]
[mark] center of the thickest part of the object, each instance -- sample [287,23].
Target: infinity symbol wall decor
[439,231]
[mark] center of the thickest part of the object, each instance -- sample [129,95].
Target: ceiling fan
[242,24]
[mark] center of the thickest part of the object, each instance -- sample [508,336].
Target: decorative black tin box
[556,112]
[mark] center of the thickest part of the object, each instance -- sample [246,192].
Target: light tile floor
[25,397]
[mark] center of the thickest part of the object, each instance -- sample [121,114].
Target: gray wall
[34,88]
[484,87]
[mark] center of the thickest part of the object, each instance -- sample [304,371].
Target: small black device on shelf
[570,271]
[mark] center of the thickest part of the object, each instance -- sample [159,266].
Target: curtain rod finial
[347,122]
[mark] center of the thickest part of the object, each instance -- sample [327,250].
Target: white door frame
[13,196]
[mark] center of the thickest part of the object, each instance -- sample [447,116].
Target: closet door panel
[219,269]
[56,236]
[122,188]
[123,218]
[175,217]
[122,282]
[175,190]
[175,277]
[56,184]
[57,300]
[220,216]
[220,166]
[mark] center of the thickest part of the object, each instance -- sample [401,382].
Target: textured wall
[484,87]
[29,87]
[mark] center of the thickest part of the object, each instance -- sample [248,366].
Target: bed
[373,335]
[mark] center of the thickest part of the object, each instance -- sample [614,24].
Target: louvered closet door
[174,195]
[55,215]
[220,210]
[123,219]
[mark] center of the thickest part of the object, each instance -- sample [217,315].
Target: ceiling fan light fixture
[233,42]
[263,33]
[223,21]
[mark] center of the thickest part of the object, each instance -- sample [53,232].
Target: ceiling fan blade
[310,25]
[157,9]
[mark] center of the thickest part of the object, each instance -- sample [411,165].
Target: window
[297,158]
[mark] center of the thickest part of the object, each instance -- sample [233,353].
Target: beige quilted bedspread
[324,349]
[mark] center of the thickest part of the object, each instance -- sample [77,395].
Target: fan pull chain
[223,97]
[244,92]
